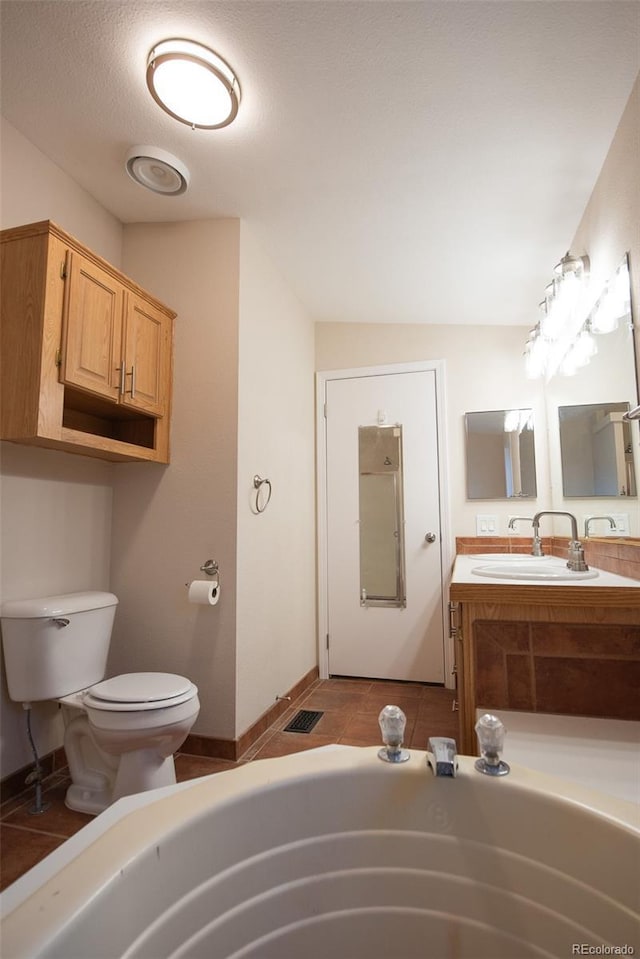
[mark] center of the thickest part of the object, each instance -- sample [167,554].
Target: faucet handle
[491,732]
[392,726]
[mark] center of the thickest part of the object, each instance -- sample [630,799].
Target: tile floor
[350,706]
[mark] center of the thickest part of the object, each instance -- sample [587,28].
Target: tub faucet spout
[575,559]
[442,756]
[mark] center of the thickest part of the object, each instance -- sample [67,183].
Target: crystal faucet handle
[392,726]
[491,732]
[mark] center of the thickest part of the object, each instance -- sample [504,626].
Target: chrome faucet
[514,519]
[592,519]
[576,561]
[442,756]
[536,548]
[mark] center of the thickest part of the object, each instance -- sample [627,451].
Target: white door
[401,643]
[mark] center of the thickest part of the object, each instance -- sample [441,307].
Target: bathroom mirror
[500,447]
[610,374]
[381,513]
[596,450]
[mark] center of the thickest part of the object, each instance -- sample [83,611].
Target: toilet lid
[142,690]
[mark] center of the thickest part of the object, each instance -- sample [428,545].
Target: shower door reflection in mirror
[381,516]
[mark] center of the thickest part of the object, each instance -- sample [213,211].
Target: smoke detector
[157,170]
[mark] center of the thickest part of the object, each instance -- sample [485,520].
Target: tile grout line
[35,832]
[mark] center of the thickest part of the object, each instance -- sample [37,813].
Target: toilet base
[138,771]
[99,778]
[91,801]
[141,770]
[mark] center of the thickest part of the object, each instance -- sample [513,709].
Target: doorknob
[430,537]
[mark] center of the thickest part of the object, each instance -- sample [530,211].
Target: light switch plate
[622,525]
[486,524]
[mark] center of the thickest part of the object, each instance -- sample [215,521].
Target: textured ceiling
[422,162]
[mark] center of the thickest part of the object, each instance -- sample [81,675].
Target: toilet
[124,730]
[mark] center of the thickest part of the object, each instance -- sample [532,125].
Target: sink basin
[549,572]
[511,557]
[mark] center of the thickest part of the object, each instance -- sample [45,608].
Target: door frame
[446,545]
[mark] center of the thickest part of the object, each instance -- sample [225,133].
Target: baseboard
[14,784]
[233,749]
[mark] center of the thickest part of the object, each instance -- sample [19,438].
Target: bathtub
[332,854]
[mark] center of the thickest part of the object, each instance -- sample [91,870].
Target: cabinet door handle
[453,620]
[132,374]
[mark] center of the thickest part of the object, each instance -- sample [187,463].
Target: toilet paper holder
[211,568]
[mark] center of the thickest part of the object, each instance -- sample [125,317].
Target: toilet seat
[136,692]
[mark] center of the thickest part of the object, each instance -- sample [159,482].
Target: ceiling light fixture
[157,170]
[193,84]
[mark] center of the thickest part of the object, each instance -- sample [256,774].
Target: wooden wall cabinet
[86,353]
[578,654]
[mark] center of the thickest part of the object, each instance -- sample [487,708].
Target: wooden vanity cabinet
[515,650]
[86,353]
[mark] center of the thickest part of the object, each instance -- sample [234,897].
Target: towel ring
[258,482]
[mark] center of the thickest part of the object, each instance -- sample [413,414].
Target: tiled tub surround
[546,647]
[569,668]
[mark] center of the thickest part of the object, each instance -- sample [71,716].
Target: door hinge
[63,270]
[327,640]
[324,410]
[58,357]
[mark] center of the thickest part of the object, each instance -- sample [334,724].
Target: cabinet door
[147,356]
[92,329]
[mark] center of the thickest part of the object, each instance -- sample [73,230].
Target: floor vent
[303,721]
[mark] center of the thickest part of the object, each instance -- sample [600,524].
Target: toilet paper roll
[204,593]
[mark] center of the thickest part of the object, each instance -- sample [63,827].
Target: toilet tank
[56,645]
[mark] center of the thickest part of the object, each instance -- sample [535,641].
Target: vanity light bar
[563,341]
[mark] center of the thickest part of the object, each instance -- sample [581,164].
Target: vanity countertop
[607,588]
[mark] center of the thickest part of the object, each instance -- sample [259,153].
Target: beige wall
[610,227]
[55,508]
[243,405]
[276,549]
[168,520]
[33,188]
